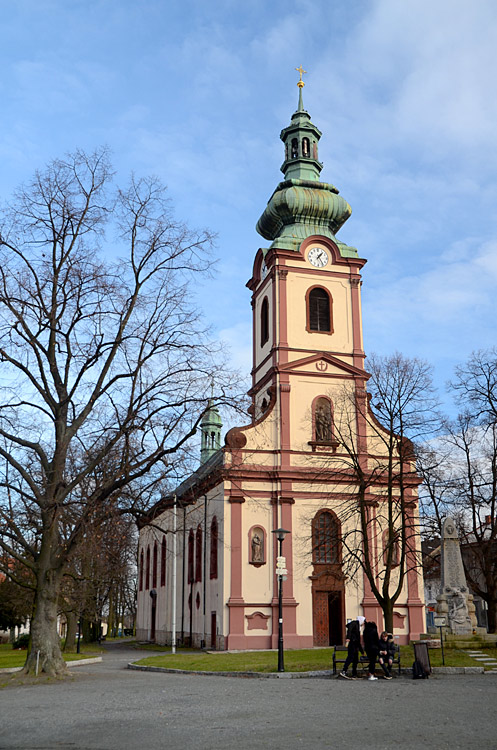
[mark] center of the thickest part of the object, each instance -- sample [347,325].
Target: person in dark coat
[354,645]
[372,646]
[386,654]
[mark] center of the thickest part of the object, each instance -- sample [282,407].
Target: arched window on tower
[163,562]
[323,420]
[264,321]
[319,311]
[147,570]
[141,570]
[191,548]
[198,554]
[154,567]
[326,538]
[214,546]
[295,148]
[306,149]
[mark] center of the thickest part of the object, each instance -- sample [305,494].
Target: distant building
[277,471]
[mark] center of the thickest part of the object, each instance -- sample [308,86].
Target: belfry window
[306,152]
[264,321]
[319,311]
[325,538]
[295,148]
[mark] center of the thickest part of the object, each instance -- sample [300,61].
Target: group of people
[362,637]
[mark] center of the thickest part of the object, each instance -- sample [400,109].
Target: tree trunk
[72,626]
[44,654]
[388,615]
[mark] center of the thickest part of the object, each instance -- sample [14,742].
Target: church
[207,555]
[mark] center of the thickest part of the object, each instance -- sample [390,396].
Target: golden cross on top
[300,70]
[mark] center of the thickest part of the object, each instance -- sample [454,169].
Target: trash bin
[421,654]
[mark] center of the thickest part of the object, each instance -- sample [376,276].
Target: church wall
[340,340]
[199,626]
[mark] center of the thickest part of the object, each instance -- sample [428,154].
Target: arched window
[147,570]
[395,547]
[214,546]
[264,321]
[154,567]
[325,538]
[295,148]
[198,554]
[163,562]
[141,570]
[319,308]
[306,149]
[191,545]
[323,421]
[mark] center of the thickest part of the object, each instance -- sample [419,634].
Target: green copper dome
[301,205]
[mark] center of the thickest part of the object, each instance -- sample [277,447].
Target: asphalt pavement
[106,706]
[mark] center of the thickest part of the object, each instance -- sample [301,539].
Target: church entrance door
[328,617]
[335,623]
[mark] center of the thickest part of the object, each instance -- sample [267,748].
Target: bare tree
[102,355]
[460,474]
[375,472]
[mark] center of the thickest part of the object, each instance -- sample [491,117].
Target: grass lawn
[10,658]
[302,660]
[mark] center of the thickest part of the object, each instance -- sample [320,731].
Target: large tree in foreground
[105,368]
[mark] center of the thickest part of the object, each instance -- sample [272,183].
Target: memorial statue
[454,600]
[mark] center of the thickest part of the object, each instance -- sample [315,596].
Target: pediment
[323,363]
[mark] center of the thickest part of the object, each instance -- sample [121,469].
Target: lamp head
[280,534]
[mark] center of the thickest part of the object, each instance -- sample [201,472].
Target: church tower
[307,329]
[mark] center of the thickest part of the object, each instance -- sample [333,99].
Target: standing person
[354,643]
[386,654]
[372,646]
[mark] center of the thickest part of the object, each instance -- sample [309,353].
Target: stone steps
[485,661]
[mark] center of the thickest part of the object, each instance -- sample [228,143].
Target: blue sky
[197,92]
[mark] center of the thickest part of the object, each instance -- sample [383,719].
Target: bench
[340,655]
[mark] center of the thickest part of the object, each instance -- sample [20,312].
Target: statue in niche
[257,546]
[322,420]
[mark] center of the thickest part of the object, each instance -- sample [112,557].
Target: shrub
[22,641]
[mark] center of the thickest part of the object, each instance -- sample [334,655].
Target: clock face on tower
[318,257]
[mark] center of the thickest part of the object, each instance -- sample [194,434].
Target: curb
[75,663]
[321,674]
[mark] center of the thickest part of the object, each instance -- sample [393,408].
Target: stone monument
[454,600]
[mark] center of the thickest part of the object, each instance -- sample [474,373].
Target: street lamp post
[280,572]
